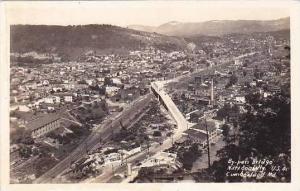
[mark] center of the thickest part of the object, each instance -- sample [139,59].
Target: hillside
[72,41]
[200,39]
[217,27]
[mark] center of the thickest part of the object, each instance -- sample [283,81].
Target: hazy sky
[151,13]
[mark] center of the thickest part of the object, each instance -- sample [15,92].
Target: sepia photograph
[169,93]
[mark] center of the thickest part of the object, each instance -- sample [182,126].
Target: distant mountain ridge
[216,27]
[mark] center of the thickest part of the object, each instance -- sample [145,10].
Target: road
[182,123]
[103,131]
[172,108]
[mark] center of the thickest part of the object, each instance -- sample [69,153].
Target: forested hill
[74,40]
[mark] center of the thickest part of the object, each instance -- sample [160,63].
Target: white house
[68,98]
[23,108]
[111,91]
[48,100]
[45,83]
[240,99]
[112,157]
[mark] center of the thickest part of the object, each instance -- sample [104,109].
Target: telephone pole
[207,139]
[86,149]
[113,170]
[100,139]
[148,148]
[212,92]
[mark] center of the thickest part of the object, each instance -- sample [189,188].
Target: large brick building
[44,125]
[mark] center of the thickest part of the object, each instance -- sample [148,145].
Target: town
[148,115]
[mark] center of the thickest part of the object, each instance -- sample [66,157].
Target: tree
[256,73]
[156,133]
[27,139]
[223,112]
[245,64]
[232,80]
[107,81]
[225,132]
[25,152]
[188,157]
[17,136]
[263,132]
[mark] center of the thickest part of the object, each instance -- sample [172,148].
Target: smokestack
[212,92]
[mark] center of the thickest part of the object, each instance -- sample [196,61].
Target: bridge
[158,90]
[182,124]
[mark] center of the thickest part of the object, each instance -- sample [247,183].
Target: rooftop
[210,126]
[42,121]
[196,134]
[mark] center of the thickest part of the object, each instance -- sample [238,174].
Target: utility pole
[112,168]
[122,159]
[112,134]
[212,92]
[85,146]
[148,147]
[112,130]
[207,138]
[100,139]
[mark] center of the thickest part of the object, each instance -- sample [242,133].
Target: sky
[151,13]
